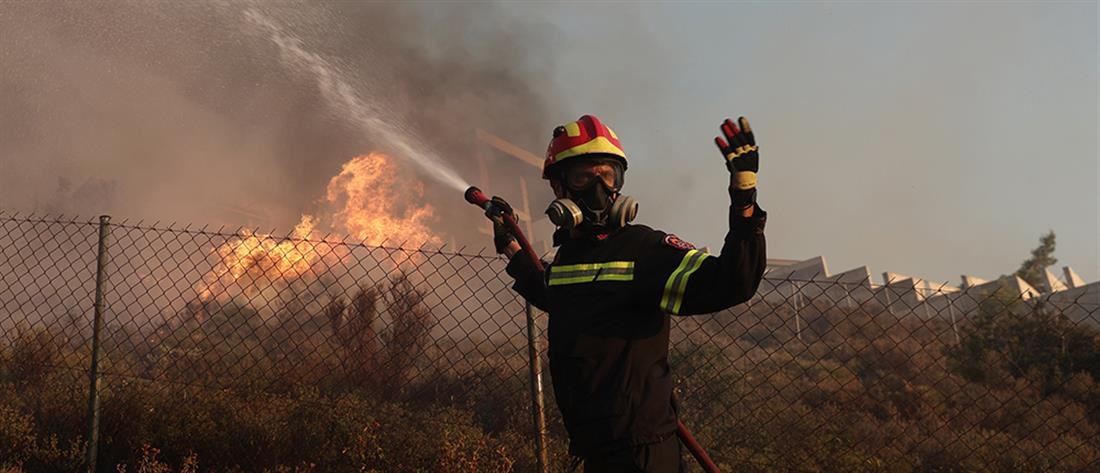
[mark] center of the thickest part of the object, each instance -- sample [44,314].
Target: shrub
[34,354]
[1009,336]
[18,437]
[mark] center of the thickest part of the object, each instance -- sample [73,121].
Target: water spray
[475,196]
[343,99]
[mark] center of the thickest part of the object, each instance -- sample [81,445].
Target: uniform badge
[675,242]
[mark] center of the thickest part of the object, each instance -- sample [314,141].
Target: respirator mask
[591,198]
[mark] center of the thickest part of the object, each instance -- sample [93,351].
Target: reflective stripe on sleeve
[677,282]
[591,272]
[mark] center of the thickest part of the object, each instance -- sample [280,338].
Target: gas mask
[595,206]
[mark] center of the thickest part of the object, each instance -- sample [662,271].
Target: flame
[369,200]
[376,208]
[252,262]
[261,255]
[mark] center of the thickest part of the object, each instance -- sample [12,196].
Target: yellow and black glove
[502,235]
[742,159]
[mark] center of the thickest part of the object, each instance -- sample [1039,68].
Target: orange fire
[253,262]
[370,200]
[376,208]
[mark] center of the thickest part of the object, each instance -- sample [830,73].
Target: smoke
[183,112]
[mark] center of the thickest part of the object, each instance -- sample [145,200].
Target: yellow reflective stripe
[591,272]
[672,279]
[589,278]
[677,281]
[573,280]
[592,266]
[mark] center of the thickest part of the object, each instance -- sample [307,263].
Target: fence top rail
[59,218]
[223,231]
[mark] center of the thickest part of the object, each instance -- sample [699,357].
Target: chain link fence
[241,351]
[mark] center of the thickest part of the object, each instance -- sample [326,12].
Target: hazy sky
[931,139]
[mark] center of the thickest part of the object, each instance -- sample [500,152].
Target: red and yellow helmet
[585,137]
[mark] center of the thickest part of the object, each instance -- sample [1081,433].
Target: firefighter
[612,286]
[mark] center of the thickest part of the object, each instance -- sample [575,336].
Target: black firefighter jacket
[609,303]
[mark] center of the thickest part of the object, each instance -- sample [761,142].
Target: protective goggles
[581,175]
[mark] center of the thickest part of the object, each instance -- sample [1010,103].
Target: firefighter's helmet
[585,137]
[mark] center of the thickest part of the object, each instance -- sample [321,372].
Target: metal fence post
[537,406]
[97,328]
[795,299]
[954,326]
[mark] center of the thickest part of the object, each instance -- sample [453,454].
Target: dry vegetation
[351,388]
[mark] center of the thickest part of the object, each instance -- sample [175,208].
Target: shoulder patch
[675,242]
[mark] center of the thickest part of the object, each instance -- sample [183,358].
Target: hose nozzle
[475,196]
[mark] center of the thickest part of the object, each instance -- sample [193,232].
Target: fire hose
[475,196]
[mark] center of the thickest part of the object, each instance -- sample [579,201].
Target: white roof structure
[902,293]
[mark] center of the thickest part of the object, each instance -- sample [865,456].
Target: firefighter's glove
[742,155]
[502,235]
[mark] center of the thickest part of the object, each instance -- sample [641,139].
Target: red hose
[696,450]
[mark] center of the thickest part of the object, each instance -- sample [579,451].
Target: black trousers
[661,457]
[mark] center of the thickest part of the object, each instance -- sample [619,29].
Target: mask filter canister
[564,213]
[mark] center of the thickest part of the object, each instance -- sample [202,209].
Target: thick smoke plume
[187,113]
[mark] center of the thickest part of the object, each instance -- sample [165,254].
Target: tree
[410,327]
[353,327]
[1031,270]
[1009,336]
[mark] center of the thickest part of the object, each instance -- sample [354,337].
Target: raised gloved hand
[742,159]
[502,235]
